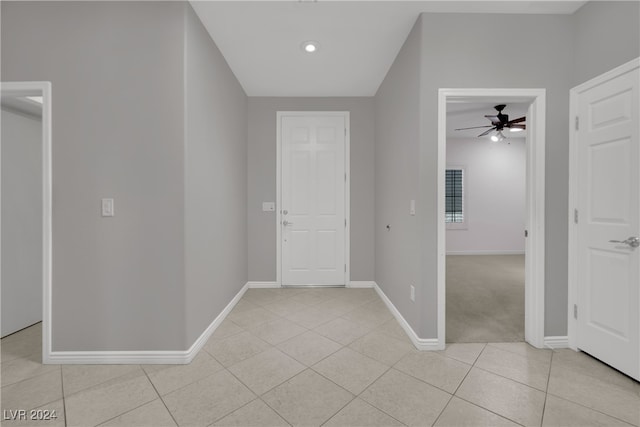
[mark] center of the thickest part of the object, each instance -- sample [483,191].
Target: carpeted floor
[485,298]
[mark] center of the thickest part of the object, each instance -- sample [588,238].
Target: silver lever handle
[634,242]
[285,223]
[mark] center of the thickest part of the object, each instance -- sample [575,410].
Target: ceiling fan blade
[495,120]
[475,127]
[516,126]
[487,132]
[518,120]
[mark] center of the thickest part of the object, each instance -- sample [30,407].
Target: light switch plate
[108,208]
[268,206]
[412,207]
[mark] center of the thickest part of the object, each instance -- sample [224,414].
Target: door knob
[285,223]
[634,242]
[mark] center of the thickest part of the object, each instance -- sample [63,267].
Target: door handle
[285,223]
[634,242]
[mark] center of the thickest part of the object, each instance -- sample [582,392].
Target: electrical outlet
[108,208]
[413,293]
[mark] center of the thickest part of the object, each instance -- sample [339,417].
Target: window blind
[454,207]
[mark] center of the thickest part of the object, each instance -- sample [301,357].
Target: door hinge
[345,268]
[526,233]
[575,311]
[575,216]
[345,222]
[345,177]
[577,122]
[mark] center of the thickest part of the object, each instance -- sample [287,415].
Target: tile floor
[333,357]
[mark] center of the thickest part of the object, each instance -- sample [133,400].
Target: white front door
[608,192]
[313,189]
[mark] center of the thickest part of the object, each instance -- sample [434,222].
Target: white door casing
[535,196]
[605,155]
[312,208]
[43,89]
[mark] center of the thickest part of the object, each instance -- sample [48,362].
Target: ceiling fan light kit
[499,122]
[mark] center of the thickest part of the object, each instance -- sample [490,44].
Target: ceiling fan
[499,122]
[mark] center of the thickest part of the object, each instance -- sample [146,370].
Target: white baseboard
[485,253]
[556,342]
[145,357]
[361,284]
[429,344]
[263,285]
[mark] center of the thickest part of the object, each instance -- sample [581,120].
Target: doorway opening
[485,221]
[534,200]
[26,210]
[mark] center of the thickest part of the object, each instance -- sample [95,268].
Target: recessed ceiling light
[310,46]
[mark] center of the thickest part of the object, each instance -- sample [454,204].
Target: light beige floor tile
[167,378]
[32,393]
[531,371]
[311,317]
[253,414]
[439,371]
[343,331]
[207,400]
[20,369]
[105,401]
[505,397]
[338,306]
[562,413]
[262,296]
[586,365]
[23,344]
[381,347]
[524,349]
[152,414]
[285,306]
[610,393]
[80,377]
[406,399]
[372,316]
[350,369]
[236,348]
[224,330]
[393,328]
[312,297]
[243,305]
[277,331]
[360,413]
[463,352]
[266,370]
[309,348]
[251,318]
[459,413]
[48,415]
[307,399]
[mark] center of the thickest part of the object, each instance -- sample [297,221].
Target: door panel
[608,324]
[313,200]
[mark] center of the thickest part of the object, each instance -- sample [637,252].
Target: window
[455,215]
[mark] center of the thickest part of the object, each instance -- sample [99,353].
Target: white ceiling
[358,39]
[463,115]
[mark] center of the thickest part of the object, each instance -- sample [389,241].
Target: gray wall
[397,164]
[452,54]
[21,220]
[607,34]
[454,57]
[262,180]
[216,180]
[117,81]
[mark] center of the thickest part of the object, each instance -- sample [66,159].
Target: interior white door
[313,219]
[608,324]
